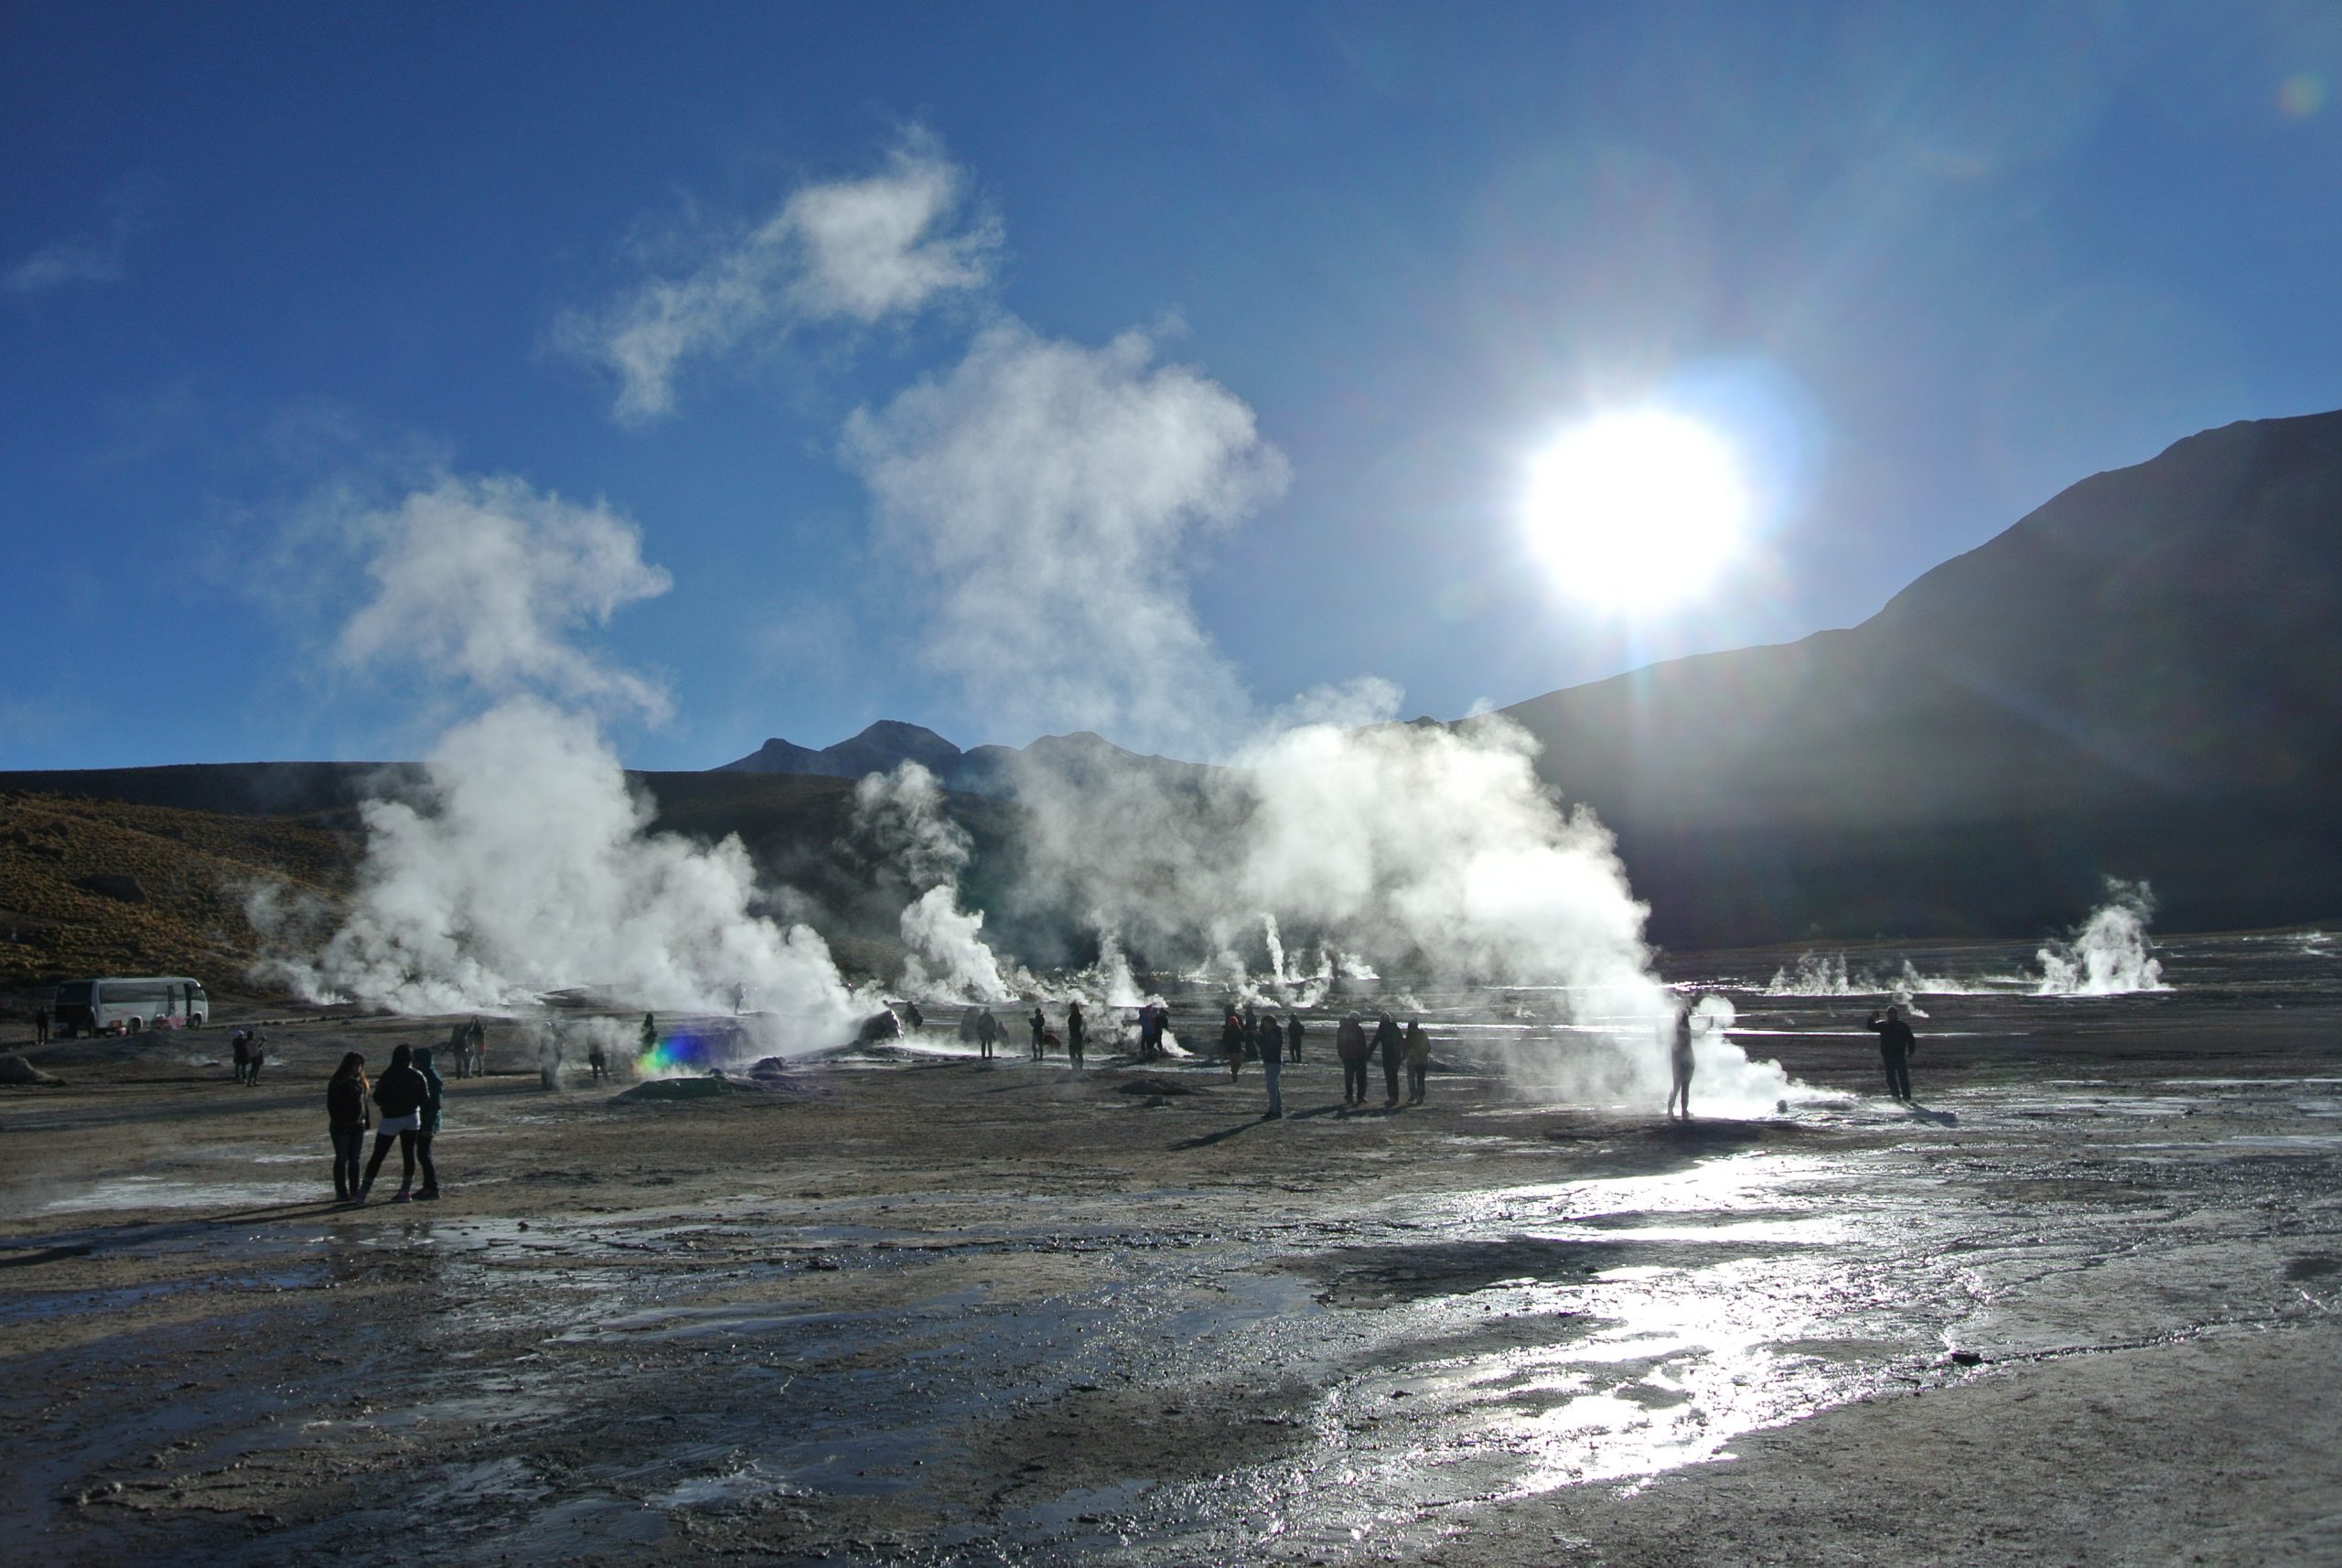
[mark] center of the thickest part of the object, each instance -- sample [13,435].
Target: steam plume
[2110,955]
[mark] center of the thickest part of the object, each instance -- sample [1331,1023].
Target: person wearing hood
[1349,1044]
[1388,1040]
[430,1128]
[1418,1061]
[346,1122]
[399,1094]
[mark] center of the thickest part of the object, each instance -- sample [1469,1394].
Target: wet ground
[910,1307]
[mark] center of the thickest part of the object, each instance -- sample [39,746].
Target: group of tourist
[408,1097]
[468,1049]
[248,1053]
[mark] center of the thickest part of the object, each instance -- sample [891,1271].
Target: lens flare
[676,1054]
[1638,510]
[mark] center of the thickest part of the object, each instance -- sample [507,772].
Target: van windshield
[73,994]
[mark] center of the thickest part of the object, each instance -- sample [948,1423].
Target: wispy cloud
[85,259]
[859,251]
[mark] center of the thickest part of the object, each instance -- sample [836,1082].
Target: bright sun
[1637,510]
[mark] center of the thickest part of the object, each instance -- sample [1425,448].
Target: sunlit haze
[1637,510]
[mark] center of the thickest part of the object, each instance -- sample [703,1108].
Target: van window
[133,992]
[73,994]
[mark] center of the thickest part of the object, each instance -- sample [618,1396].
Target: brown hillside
[105,888]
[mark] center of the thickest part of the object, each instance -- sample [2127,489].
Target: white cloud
[1052,494]
[859,251]
[57,264]
[486,582]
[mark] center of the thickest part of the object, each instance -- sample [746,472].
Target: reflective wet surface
[928,1309]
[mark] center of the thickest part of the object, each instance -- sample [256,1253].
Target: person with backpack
[399,1095]
[346,1122]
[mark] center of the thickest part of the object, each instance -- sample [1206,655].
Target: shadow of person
[1205,1140]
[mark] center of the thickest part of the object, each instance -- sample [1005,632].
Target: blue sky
[266,271]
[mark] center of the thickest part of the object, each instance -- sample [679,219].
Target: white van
[129,1004]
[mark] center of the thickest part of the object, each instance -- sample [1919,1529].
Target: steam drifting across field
[524,863]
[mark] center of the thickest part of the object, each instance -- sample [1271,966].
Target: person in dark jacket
[1392,1045]
[40,1025]
[1895,1044]
[1040,1032]
[1077,1033]
[988,1033]
[399,1094]
[346,1122]
[240,1047]
[437,1094]
[1418,1061]
[1232,1042]
[1349,1044]
[258,1051]
[1679,1061]
[1292,1037]
[1272,1042]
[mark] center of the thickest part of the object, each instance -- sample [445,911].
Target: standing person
[1273,1065]
[435,1092]
[988,1033]
[739,999]
[1150,1032]
[1040,1032]
[1349,1044]
[1077,1033]
[460,1048]
[40,1025]
[1679,1060]
[240,1045]
[1388,1040]
[259,1050]
[1232,1042]
[479,1043]
[597,1058]
[399,1094]
[1895,1044]
[1418,1061]
[649,1034]
[1292,1037]
[346,1122]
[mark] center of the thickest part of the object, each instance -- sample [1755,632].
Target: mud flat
[910,1307]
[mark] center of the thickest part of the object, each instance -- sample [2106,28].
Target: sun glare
[1637,510]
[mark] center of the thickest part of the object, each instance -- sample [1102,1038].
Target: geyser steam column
[1041,471]
[524,863]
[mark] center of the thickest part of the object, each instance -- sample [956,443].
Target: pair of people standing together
[409,1096]
[1411,1046]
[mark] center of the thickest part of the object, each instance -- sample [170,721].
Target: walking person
[1349,1044]
[1679,1060]
[1895,1044]
[399,1094]
[1418,1045]
[1232,1042]
[435,1094]
[346,1122]
[240,1047]
[1040,1032]
[988,1033]
[1392,1045]
[1077,1033]
[1292,1037]
[1273,1065]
